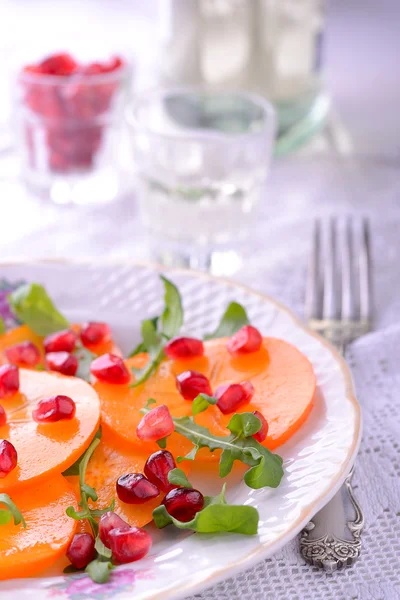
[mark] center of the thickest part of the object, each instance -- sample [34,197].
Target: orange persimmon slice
[25,552]
[282,376]
[47,448]
[107,464]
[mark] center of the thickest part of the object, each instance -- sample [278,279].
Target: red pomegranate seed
[3,416]
[131,544]
[157,467]
[8,458]
[108,522]
[156,424]
[247,339]
[183,503]
[135,488]
[248,388]
[56,408]
[25,354]
[62,362]
[81,550]
[9,380]
[184,347]
[262,434]
[110,369]
[191,383]
[62,341]
[230,397]
[95,333]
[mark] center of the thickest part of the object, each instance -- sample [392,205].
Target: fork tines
[339,282]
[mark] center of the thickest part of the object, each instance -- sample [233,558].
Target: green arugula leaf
[31,304]
[99,570]
[233,319]
[85,359]
[74,469]
[178,477]
[202,402]
[12,511]
[266,468]
[216,516]
[102,550]
[162,443]
[172,317]
[153,340]
[2,326]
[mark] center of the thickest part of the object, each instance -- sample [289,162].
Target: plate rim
[262,550]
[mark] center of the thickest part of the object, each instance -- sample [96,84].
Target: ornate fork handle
[328,551]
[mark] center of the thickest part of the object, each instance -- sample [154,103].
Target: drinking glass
[202,159]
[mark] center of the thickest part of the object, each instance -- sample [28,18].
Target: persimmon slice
[284,384]
[47,448]
[25,552]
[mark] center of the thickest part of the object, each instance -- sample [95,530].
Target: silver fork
[338,307]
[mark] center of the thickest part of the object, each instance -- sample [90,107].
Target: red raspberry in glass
[192,383]
[110,369]
[131,544]
[247,339]
[53,409]
[62,362]
[184,347]
[135,488]
[263,432]
[25,354]
[9,380]
[59,64]
[62,341]
[81,550]
[157,467]
[8,458]
[108,522]
[156,424]
[95,333]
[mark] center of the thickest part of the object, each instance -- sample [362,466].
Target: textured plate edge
[262,551]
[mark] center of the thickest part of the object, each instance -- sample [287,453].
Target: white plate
[316,460]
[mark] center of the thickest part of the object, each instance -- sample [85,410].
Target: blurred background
[172,153]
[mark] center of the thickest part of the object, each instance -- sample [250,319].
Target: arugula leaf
[74,469]
[266,468]
[172,317]
[99,570]
[11,512]
[233,319]
[32,305]
[178,477]
[202,402]
[85,359]
[216,516]
[162,443]
[153,340]
[2,325]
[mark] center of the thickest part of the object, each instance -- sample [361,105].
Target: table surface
[352,169]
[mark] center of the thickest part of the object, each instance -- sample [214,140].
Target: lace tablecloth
[299,190]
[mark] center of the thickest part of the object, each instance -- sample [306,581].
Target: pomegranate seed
[131,544]
[248,388]
[62,362]
[183,503]
[191,383]
[135,488]
[25,354]
[9,380]
[156,424]
[95,333]
[8,458]
[262,434]
[3,416]
[108,522]
[184,347]
[247,339]
[110,369]
[62,341]
[230,397]
[56,408]
[81,550]
[157,467]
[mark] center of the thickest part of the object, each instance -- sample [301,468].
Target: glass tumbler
[202,159]
[68,131]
